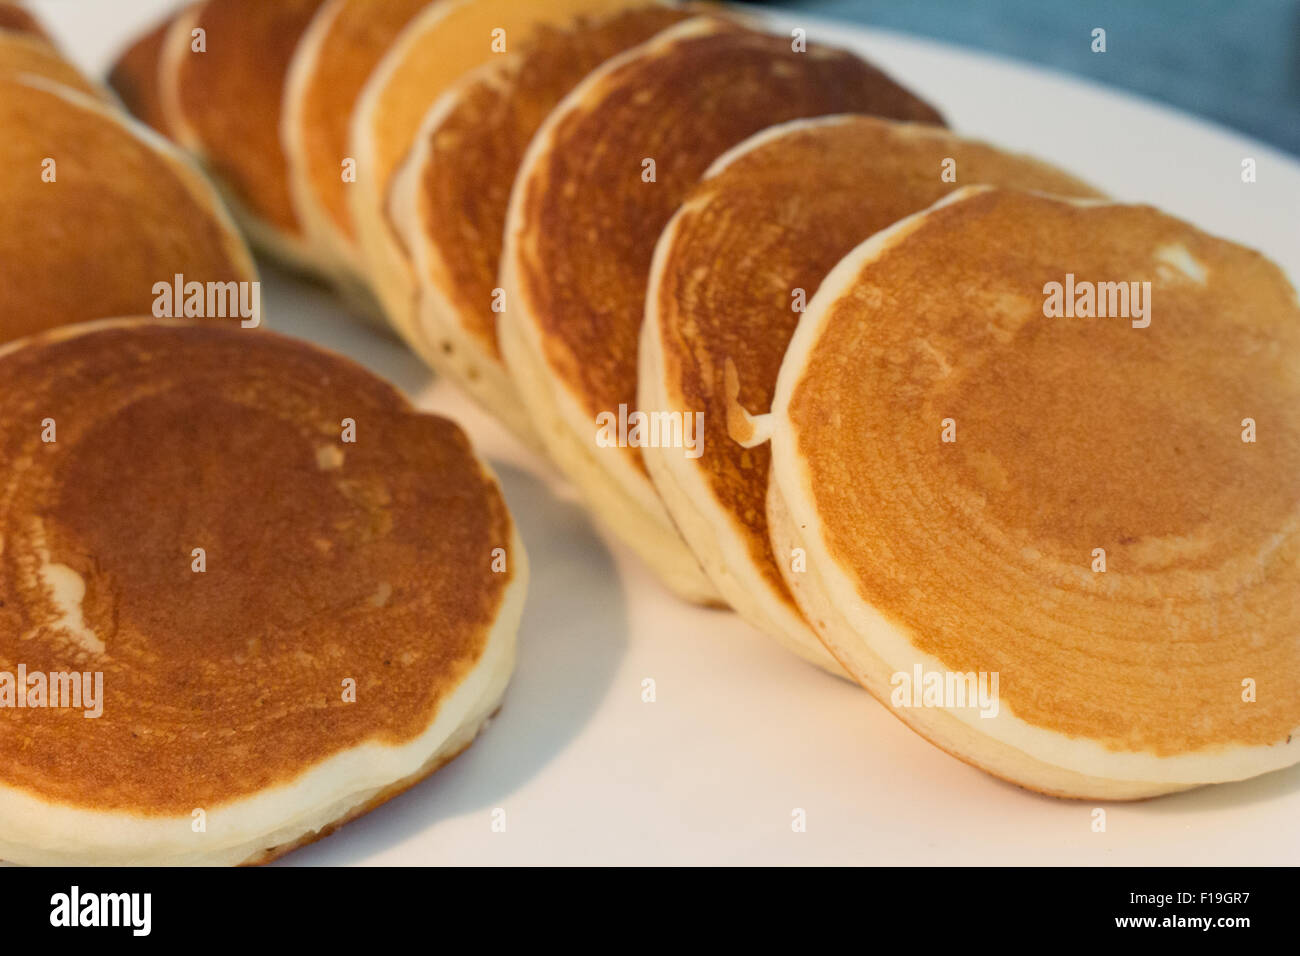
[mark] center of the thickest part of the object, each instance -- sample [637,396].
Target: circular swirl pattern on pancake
[790,202]
[1071,434]
[325,561]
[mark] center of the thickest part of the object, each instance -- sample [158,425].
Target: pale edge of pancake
[175,46]
[254,829]
[437,333]
[295,252]
[322,235]
[198,185]
[620,495]
[338,259]
[383,263]
[641,528]
[328,243]
[41,47]
[1004,745]
[387,264]
[710,529]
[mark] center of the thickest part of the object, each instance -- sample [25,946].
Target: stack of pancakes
[939,418]
[608,219]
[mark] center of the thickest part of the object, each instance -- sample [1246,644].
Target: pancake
[176,50]
[1097,534]
[229,100]
[136,76]
[449,199]
[790,202]
[126,210]
[582,226]
[29,54]
[336,55]
[434,51]
[325,562]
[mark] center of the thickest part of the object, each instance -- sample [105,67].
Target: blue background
[1233,61]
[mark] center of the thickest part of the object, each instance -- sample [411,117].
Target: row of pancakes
[247,591]
[906,473]
[583,210]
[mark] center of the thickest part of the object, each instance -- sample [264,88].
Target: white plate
[741,733]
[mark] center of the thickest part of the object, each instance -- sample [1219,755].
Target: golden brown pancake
[336,55]
[331,569]
[436,49]
[15,19]
[584,219]
[789,202]
[124,211]
[230,98]
[984,484]
[29,54]
[137,78]
[450,197]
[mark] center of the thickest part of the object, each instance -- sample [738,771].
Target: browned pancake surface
[1072,434]
[325,561]
[455,38]
[136,79]
[118,219]
[231,97]
[23,54]
[479,145]
[360,34]
[591,222]
[789,210]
